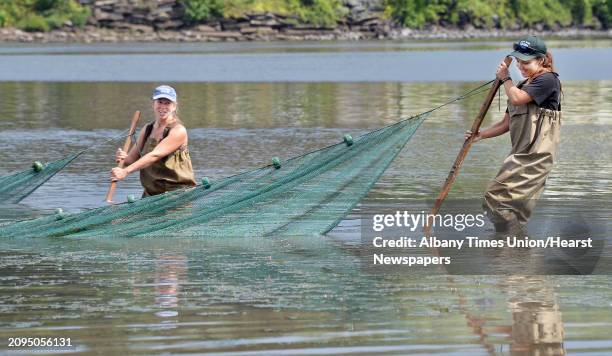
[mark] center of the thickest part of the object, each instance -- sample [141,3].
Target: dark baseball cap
[528,48]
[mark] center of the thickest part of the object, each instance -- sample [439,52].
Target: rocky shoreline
[120,21]
[205,33]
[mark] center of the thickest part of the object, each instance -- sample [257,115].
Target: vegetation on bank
[502,14]
[317,12]
[43,15]
[486,14]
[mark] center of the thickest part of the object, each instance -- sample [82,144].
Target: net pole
[467,144]
[126,148]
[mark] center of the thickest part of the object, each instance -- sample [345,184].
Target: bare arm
[498,128]
[134,153]
[515,95]
[176,138]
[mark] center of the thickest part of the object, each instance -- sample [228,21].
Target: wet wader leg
[512,195]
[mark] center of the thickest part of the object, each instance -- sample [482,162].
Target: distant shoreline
[91,34]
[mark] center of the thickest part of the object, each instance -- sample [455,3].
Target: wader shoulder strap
[148,129]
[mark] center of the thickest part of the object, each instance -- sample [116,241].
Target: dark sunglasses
[525,49]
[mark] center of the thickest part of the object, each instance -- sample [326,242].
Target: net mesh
[307,195]
[15,187]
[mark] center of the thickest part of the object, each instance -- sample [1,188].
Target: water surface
[388,61]
[310,295]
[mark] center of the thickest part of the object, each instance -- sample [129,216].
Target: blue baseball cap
[164,91]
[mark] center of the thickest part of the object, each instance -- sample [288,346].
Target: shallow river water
[306,295]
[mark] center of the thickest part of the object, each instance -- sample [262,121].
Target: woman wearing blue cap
[160,153]
[533,119]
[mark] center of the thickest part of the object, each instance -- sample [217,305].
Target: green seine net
[15,187]
[306,195]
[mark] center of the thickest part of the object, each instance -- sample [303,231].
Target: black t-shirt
[545,90]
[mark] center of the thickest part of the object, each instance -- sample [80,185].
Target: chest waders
[169,173]
[513,193]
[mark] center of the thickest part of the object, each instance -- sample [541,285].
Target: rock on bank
[162,20]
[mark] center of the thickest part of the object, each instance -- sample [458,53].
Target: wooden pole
[126,148]
[467,144]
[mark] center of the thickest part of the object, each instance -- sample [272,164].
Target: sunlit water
[286,295]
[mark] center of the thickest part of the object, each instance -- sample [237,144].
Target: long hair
[548,62]
[175,114]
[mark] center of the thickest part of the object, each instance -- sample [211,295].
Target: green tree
[415,13]
[197,11]
[502,13]
[602,10]
[42,15]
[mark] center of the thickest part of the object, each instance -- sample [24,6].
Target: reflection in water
[537,328]
[234,127]
[87,106]
[285,295]
[298,295]
[170,269]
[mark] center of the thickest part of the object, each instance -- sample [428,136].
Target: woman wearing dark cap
[160,153]
[533,119]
